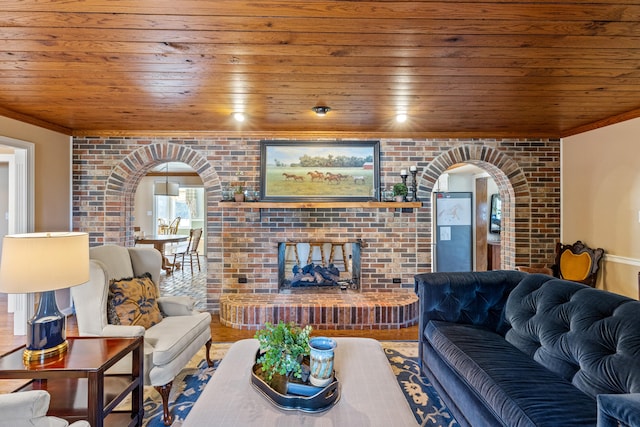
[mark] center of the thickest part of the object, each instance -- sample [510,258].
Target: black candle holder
[404,181]
[414,185]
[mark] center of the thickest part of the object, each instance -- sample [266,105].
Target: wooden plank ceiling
[477,68]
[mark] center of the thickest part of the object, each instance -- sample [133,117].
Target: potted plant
[238,193]
[400,191]
[282,349]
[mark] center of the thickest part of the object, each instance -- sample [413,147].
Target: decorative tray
[296,395]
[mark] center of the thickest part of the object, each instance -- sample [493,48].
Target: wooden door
[482,224]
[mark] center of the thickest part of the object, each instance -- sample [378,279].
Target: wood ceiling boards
[476,68]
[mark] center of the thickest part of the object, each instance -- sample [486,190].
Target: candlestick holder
[414,184]
[404,181]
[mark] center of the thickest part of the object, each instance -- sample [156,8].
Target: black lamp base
[46,330]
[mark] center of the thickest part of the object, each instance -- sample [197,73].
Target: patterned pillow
[133,301]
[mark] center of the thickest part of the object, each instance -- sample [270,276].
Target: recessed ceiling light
[401,118]
[321,110]
[239,117]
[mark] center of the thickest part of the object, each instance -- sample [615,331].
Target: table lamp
[44,262]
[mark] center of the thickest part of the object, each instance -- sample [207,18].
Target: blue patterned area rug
[427,406]
[403,358]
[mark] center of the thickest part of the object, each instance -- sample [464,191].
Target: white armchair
[169,344]
[29,409]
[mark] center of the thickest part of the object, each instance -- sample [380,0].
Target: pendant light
[166,188]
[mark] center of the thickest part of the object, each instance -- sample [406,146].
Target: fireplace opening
[318,265]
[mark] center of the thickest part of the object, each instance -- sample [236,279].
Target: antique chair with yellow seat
[578,263]
[173,330]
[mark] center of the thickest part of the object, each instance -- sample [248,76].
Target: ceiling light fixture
[401,118]
[321,110]
[239,117]
[166,188]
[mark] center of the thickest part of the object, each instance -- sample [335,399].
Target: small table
[77,381]
[370,394]
[158,241]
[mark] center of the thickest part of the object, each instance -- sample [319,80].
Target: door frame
[21,217]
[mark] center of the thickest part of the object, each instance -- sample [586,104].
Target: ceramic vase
[321,360]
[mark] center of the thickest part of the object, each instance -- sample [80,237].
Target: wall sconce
[44,262]
[166,188]
[321,110]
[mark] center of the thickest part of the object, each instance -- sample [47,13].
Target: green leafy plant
[283,346]
[400,189]
[239,189]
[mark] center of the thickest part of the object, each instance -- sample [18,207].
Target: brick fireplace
[388,244]
[383,240]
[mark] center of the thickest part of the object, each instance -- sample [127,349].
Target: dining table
[159,241]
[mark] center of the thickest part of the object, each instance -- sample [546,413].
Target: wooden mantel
[321,205]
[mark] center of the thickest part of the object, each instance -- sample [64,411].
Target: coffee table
[370,394]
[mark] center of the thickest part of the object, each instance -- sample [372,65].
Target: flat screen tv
[496,213]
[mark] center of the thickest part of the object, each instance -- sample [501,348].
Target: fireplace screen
[319,264]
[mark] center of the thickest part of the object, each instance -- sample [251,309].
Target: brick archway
[514,191]
[121,186]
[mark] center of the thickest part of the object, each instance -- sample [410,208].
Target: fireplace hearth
[305,265]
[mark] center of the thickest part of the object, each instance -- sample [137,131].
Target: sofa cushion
[587,336]
[519,390]
[618,410]
[134,301]
[472,298]
[115,259]
[170,337]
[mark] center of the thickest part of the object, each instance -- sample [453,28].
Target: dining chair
[173,227]
[191,249]
[576,262]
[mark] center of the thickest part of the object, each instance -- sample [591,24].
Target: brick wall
[243,242]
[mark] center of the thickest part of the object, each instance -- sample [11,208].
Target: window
[188,205]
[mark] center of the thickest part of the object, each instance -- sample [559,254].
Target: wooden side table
[78,383]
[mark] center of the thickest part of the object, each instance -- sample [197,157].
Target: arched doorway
[513,189]
[120,200]
[475,244]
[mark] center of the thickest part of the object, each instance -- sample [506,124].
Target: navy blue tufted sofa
[506,348]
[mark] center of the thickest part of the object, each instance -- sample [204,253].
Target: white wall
[601,200]
[4,201]
[52,199]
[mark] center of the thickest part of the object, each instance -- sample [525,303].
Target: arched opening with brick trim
[120,195]
[512,186]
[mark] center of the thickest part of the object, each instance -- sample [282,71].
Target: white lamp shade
[38,262]
[166,188]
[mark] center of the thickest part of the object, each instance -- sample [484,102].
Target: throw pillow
[134,301]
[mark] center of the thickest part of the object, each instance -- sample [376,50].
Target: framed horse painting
[319,171]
